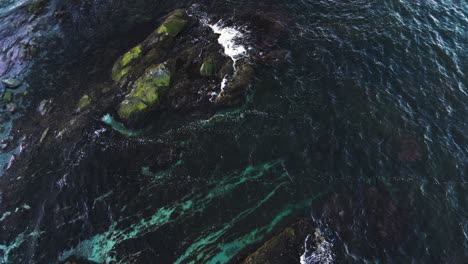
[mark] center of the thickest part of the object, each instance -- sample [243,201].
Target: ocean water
[363,130]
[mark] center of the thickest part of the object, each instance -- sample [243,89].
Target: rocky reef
[177,69]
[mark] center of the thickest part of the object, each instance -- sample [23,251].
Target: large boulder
[154,48]
[173,24]
[190,57]
[286,247]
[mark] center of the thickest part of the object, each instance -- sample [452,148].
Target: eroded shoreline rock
[286,247]
[188,56]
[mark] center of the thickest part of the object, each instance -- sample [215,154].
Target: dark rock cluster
[180,66]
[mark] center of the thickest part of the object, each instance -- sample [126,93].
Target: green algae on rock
[121,67]
[84,102]
[135,61]
[173,24]
[145,93]
[131,55]
[195,70]
[8,96]
[207,67]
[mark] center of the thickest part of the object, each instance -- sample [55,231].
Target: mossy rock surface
[84,102]
[173,24]
[8,96]
[145,93]
[121,67]
[152,50]
[195,68]
[131,55]
[208,66]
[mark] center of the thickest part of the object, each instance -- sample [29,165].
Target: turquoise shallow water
[363,130]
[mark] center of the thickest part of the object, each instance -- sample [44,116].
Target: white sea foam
[228,39]
[318,250]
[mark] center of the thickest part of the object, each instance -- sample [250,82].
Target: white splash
[320,252]
[227,39]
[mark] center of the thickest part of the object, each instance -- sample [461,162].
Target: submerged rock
[274,58]
[44,135]
[411,150]
[369,215]
[44,107]
[11,107]
[287,247]
[3,144]
[11,83]
[8,96]
[35,6]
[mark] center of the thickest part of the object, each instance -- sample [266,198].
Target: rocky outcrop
[175,68]
[285,247]
[153,49]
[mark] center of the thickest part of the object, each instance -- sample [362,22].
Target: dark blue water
[363,130]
